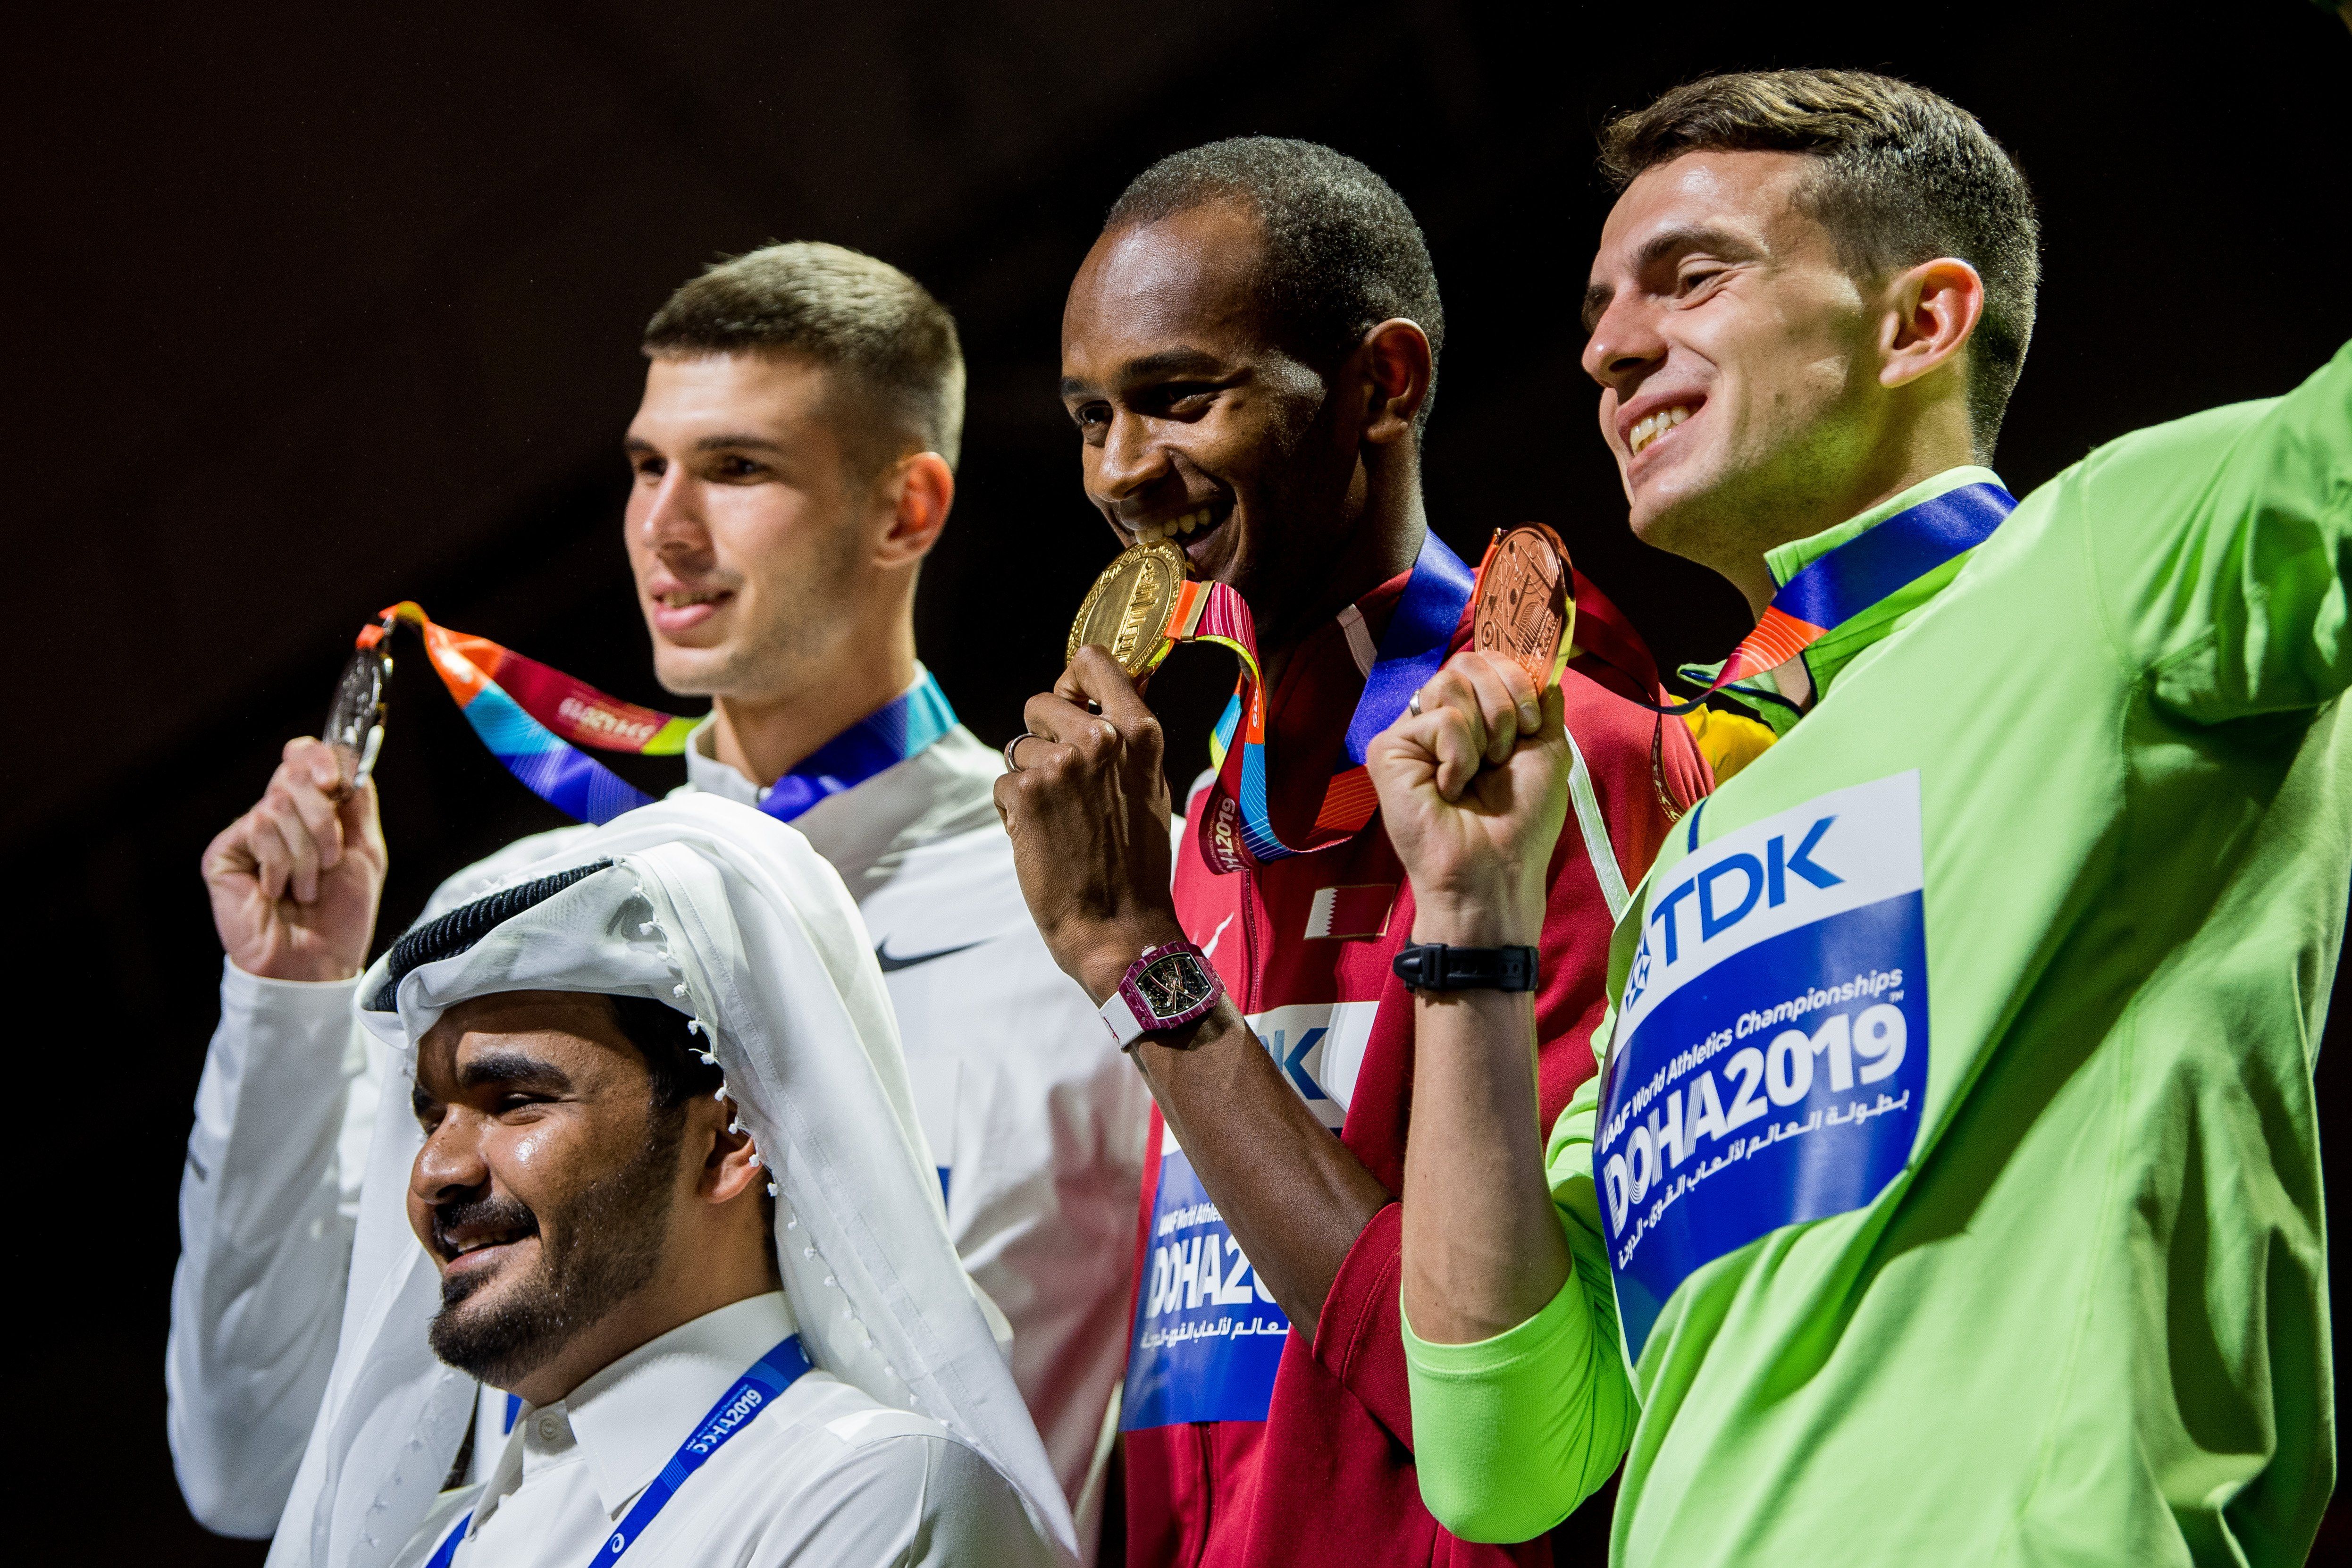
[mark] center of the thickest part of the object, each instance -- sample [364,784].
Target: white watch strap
[1119,1018]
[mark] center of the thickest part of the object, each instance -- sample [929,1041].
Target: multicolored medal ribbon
[1238,827]
[1856,575]
[534,719]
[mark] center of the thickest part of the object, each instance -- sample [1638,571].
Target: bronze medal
[1522,609]
[1127,609]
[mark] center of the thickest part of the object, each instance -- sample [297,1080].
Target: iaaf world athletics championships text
[1876,983]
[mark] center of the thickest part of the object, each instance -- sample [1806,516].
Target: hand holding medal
[1084,772]
[1523,609]
[1142,604]
[295,880]
[354,725]
[1126,611]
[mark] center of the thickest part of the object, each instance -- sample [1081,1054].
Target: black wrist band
[1434,967]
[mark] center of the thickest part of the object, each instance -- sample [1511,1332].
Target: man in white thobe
[648,1158]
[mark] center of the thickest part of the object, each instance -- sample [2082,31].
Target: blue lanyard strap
[1839,585]
[1412,648]
[448,1547]
[904,727]
[737,1408]
[1897,552]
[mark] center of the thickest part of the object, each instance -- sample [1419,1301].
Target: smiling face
[546,1185]
[1195,423]
[748,531]
[1738,358]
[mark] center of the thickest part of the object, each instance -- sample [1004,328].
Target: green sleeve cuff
[1511,1433]
[1545,1333]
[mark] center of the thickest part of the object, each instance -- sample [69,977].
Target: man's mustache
[502,1217]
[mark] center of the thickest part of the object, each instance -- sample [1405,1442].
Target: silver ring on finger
[1012,747]
[1413,707]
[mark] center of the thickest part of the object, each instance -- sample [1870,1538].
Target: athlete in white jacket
[793,455]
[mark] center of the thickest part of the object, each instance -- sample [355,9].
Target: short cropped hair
[891,348]
[1906,176]
[1342,251]
[677,1074]
[673,1052]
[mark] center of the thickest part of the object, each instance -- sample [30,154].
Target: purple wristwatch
[1170,985]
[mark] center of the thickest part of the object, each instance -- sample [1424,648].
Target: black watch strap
[1434,967]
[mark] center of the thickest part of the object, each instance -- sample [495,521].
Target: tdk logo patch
[1727,888]
[1319,1046]
[1770,1060]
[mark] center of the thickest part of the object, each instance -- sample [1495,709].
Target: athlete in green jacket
[1951,1191]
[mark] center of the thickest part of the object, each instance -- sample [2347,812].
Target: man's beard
[607,1246]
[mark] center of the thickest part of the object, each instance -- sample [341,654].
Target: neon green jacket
[2085,1317]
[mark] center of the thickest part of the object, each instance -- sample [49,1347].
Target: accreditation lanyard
[1868,568]
[1238,826]
[534,719]
[737,1408]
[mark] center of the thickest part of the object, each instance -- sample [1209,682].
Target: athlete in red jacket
[1248,352]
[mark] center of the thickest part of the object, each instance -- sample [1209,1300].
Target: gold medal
[1127,609]
[1523,609]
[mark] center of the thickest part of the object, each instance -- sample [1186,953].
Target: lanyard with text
[737,1408]
[534,719]
[1238,827]
[1860,572]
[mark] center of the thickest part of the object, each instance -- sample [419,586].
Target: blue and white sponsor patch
[1770,1060]
[1319,1046]
[1207,1337]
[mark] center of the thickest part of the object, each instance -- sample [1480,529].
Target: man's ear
[734,1165]
[1397,368]
[1932,310]
[920,489]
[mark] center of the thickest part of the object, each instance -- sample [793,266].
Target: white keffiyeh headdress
[726,914]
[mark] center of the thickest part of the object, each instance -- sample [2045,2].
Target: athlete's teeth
[1649,427]
[1151,533]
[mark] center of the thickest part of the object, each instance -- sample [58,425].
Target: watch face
[1173,984]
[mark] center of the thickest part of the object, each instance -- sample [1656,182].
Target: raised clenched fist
[295,880]
[1473,791]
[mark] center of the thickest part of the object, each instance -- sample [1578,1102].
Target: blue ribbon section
[1906,547]
[576,784]
[585,789]
[1414,647]
[901,728]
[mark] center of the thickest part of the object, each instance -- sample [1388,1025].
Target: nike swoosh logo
[891,965]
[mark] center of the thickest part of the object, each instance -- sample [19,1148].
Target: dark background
[316,311]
